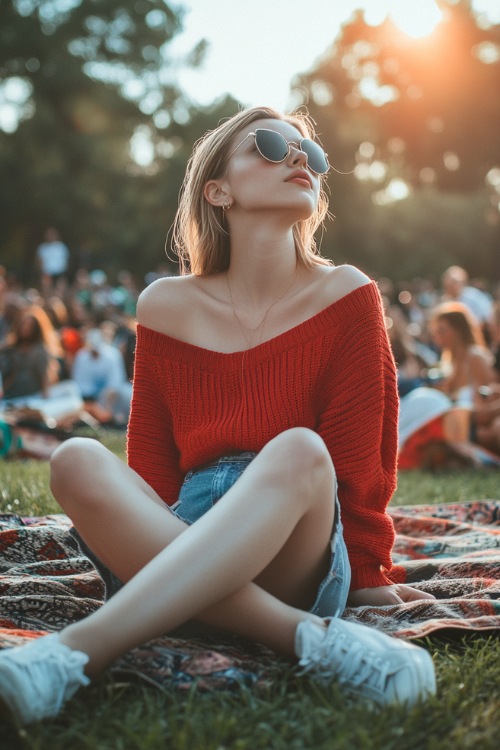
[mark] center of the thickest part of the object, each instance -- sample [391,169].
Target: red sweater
[334,373]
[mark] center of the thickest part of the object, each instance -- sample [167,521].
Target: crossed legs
[251,564]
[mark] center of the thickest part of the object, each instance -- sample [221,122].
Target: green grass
[459,486]
[293,713]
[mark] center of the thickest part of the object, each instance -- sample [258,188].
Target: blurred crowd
[67,351]
[446,342]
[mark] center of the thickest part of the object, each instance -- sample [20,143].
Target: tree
[413,118]
[95,73]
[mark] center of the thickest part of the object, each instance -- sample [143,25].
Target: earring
[226,206]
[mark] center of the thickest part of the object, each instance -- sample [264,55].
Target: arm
[359,426]
[487,405]
[474,370]
[151,449]
[481,368]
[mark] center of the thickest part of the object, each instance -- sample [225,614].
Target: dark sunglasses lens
[271,145]
[316,157]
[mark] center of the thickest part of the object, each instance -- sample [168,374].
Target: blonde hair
[43,330]
[200,234]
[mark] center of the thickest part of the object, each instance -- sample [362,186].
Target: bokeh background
[102,100]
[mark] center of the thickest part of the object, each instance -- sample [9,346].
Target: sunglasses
[274,147]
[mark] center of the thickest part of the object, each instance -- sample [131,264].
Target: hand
[382,595]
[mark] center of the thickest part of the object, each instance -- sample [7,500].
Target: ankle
[318,622]
[73,640]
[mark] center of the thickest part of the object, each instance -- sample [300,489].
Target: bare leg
[274,525]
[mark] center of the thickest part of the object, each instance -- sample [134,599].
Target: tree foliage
[96,73]
[412,118]
[410,126]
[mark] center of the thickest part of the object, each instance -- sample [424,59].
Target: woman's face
[257,185]
[443,334]
[27,328]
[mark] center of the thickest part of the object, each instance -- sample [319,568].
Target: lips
[301,177]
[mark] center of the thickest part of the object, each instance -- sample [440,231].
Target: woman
[466,362]
[448,425]
[252,373]
[495,340]
[29,362]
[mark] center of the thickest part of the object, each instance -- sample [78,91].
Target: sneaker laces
[355,664]
[359,666]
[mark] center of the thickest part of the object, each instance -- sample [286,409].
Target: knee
[72,462]
[301,455]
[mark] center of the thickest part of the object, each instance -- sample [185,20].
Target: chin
[303,212]
[300,209]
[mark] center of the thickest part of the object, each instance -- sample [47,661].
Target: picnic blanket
[452,551]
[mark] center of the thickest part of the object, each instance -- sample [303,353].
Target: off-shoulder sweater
[333,373]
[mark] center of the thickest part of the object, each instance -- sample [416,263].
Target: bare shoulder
[349,277]
[163,304]
[338,281]
[480,354]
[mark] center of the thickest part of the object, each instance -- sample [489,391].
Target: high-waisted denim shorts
[203,487]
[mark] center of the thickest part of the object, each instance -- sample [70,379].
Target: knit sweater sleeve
[151,448]
[359,426]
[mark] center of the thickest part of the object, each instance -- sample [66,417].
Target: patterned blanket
[452,551]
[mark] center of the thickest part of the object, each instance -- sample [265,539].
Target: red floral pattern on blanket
[452,551]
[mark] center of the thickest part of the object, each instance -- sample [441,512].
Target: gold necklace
[262,324]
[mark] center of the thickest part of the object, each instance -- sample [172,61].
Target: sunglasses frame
[288,144]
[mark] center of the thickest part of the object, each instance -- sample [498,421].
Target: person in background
[99,370]
[53,259]
[413,358]
[456,288]
[466,362]
[487,405]
[455,418]
[487,417]
[30,359]
[124,295]
[495,340]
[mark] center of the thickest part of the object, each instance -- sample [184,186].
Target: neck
[261,265]
[260,278]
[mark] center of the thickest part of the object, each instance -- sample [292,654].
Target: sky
[257,46]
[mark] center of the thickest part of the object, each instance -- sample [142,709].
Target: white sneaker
[366,662]
[38,678]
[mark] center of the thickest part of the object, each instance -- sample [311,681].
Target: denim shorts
[203,487]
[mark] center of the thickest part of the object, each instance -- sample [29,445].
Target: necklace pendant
[262,324]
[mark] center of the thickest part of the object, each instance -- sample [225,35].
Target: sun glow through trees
[417,19]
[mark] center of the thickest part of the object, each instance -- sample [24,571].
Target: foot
[366,662]
[38,678]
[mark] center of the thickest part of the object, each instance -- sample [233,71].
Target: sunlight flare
[417,19]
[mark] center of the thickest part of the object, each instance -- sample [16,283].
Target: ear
[216,194]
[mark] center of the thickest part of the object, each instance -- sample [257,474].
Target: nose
[296,156]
